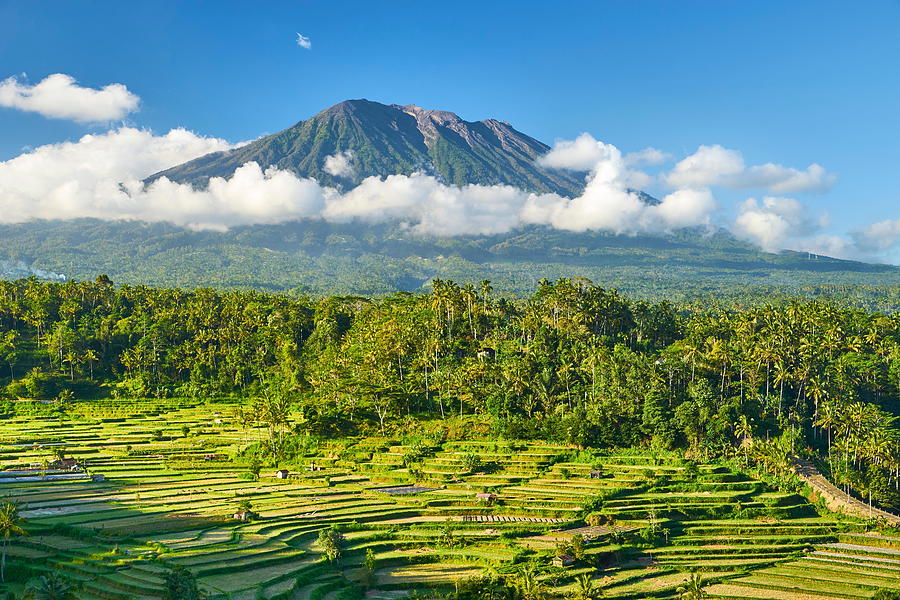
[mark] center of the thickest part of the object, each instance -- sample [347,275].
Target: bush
[40,385]
[488,587]
[331,541]
[470,462]
[181,584]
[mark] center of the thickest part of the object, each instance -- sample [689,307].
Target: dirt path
[835,499]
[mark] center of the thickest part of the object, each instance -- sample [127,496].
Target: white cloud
[607,202]
[709,165]
[585,153]
[878,237]
[78,179]
[251,195]
[647,156]
[60,97]
[785,180]
[339,164]
[715,165]
[833,246]
[580,154]
[303,41]
[428,206]
[776,223]
[100,176]
[684,208]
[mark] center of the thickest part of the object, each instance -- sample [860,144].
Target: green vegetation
[573,364]
[378,260]
[10,526]
[168,443]
[159,525]
[180,584]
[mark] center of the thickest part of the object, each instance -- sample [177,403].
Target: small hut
[245,516]
[281,474]
[596,474]
[65,464]
[485,497]
[563,561]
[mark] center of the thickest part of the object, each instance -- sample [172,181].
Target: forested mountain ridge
[375,260]
[391,139]
[572,363]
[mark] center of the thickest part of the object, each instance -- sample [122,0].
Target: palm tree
[11,522]
[529,585]
[52,586]
[692,588]
[744,429]
[587,588]
[90,357]
[829,418]
[486,290]
[59,452]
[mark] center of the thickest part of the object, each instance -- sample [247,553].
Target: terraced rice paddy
[168,499]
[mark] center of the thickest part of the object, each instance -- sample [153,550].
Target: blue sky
[792,83]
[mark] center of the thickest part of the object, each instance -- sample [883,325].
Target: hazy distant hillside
[350,259]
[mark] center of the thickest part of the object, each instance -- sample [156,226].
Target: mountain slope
[390,139]
[331,258]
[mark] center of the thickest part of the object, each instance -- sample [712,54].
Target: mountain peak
[387,139]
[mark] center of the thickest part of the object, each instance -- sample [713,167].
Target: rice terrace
[162,485]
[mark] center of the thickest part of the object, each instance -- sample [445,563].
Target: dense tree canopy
[574,362]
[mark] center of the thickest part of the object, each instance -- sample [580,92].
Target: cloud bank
[87,178]
[101,176]
[58,96]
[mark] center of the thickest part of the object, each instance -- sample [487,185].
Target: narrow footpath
[835,499]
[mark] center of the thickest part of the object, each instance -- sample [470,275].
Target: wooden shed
[281,474]
[563,561]
[485,497]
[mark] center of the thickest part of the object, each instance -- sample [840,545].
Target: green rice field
[173,477]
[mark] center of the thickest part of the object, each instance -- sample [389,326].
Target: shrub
[331,541]
[369,568]
[493,587]
[181,584]
[470,462]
